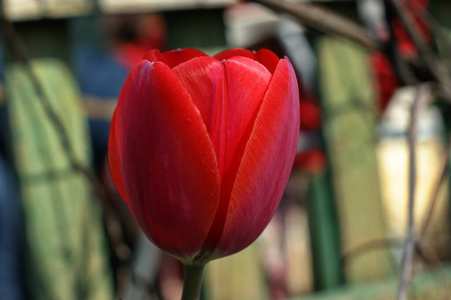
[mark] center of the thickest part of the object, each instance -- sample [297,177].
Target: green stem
[192,281]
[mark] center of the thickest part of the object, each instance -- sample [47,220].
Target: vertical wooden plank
[66,255]
[63,230]
[348,102]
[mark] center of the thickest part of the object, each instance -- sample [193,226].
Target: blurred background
[373,77]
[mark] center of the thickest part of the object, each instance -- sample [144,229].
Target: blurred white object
[396,118]
[372,14]
[393,159]
[299,50]
[249,23]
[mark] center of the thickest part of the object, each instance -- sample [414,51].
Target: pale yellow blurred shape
[298,253]
[393,157]
[393,164]
[239,276]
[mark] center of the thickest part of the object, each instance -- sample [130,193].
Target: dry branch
[323,20]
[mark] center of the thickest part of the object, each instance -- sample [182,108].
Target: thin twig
[440,32]
[323,20]
[426,55]
[409,243]
[374,244]
[425,252]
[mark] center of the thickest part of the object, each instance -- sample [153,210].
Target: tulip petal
[154,56]
[228,95]
[167,160]
[203,78]
[266,163]
[173,58]
[246,84]
[178,56]
[226,54]
[268,59]
[115,160]
[263,56]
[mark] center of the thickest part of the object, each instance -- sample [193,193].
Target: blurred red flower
[201,147]
[313,161]
[385,78]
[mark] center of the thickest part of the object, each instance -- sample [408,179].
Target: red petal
[203,78]
[268,59]
[246,85]
[154,56]
[115,161]
[263,56]
[175,57]
[266,163]
[168,163]
[235,52]
[229,96]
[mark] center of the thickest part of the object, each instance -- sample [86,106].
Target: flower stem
[192,281]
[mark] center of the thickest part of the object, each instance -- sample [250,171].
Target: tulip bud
[201,147]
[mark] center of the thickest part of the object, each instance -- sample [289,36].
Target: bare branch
[407,257]
[323,20]
[426,55]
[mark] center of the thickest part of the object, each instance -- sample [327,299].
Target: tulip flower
[201,148]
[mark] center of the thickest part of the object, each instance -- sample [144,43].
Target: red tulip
[201,147]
